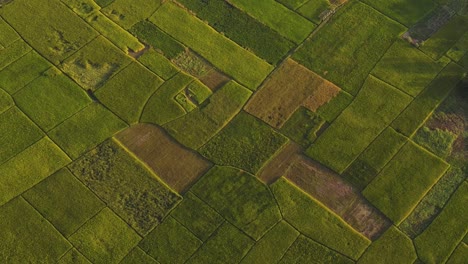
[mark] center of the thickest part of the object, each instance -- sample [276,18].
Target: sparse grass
[127,93]
[191,63]
[127,13]
[51,98]
[278,17]
[317,222]
[302,126]
[245,143]
[254,212]
[129,188]
[219,50]
[376,105]
[404,181]
[437,141]
[336,51]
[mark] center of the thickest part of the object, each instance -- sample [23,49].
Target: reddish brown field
[176,165]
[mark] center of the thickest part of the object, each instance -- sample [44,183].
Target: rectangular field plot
[197,127]
[105,238]
[128,12]
[158,63]
[289,87]
[95,63]
[273,245]
[405,12]
[13,52]
[317,222]
[9,35]
[19,73]
[243,65]
[51,98]
[438,241]
[6,101]
[374,108]
[404,181]
[337,52]
[306,250]
[86,129]
[245,143]
[27,237]
[278,17]
[394,245]
[129,90]
[82,8]
[428,100]
[52,37]
[17,133]
[170,242]
[241,28]
[176,165]
[407,68]
[227,245]
[254,212]
[364,169]
[126,185]
[42,159]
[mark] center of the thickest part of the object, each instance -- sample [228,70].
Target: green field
[233,131]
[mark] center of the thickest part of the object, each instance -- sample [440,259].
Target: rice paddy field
[234,131]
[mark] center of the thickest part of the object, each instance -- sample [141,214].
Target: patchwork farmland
[234,131]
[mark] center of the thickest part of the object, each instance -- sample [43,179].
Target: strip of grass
[129,12]
[366,167]
[245,143]
[197,127]
[273,245]
[227,245]
[19,73]
[407,13]
[292,4]
[127,93]
[9,35]
[428,100]
[219,50]
[64,201]
[404,181]
[459,255]
[18,132]
[13,52]
[27,237]
[438,44]
[86,129]
[439,240]
[433,203]
[51,98]
[120,37]
[337,52]
[197,216]
[376,105]
[94,64]
[305,250]
[128,187]
[407,68]
[170,242]
[52,38]
[254,212]
[161,106]
[392,247]
[317,222]
[158,64]
[278,17]
[42,159]
[152,35]
[105,238]
[241,28]
[6,101]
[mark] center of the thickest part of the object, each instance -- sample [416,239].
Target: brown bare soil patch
[214,79]
[291,86]
[177,166]
[279,164]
